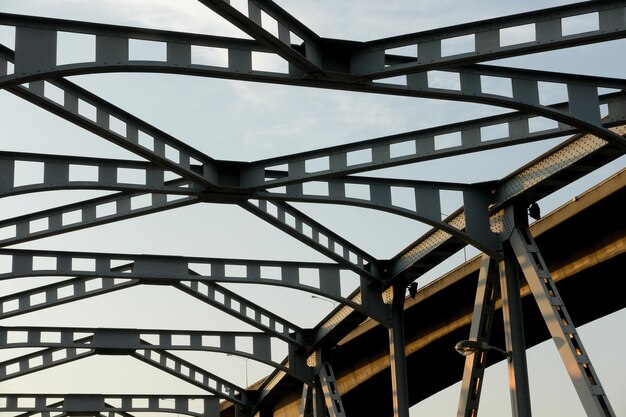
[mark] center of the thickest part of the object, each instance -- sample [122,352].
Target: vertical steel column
[397,358]
[560,325]
[487,292]
[514,334]
[306,404]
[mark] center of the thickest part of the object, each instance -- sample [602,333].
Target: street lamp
[334,303]
[246,363]
[469,347]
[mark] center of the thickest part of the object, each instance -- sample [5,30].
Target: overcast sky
[249,121]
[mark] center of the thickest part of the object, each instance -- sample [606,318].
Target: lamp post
[246,363]
[334,303]
[469,347]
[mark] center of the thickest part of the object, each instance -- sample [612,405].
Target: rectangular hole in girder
[210,56]
[582,23]
[145,140]
[539,124]
[36,299]
[290,220]
[263,61]
[72,217]
[35,362]
[517,34]
[403,197]
[28,173]
[550,93]
[73,48]
[604,110]
[143,50]
[406,51]
[17,336]
[38,225]
[64,292]
[7,232]
[451,200]
[271,272]
[360,191]
[167,403]
[362,156]
[10,305]
[269,23]
[310,277]
[236,271]
[457,45]
[448,140]
[83,173]
[235,305]
[131,176]
[140,201]
[172,154]
[26,402]
[444,80]
[54,93]
[400,149]
[317,164]
[493,132]
[83,264]
[181,340]
[500,86]
[240,5]
[87,110]
[117,126]
[243,344]
[317,188]
[41,263]
[140,403]
[106,209]
[51,337]
[93,284]
[59,355]
[211,341]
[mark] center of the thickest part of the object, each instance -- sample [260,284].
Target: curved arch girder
[192,405]
[323,278]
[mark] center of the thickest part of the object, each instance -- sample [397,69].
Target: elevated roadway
[583,242]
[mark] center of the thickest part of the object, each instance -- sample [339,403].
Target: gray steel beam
[524,180]
[487,293]
[69,172]
[514,334]
[160,269]
[103,341]
[544,29]
[251,21]
[88,213]
[315,235]
[38,361]
[192,405]
[194,375]
[423,204]
[397,354]
[416,146]
[59,293]
[583,112]
[561,327]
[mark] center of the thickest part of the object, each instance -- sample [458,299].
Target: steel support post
[487,292]
[514,334]
[397,356]
[332,399]
[560,325]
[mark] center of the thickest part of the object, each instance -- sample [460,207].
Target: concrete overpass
[580,251]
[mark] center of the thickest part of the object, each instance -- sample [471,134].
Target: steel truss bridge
[493,217]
